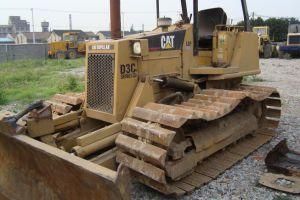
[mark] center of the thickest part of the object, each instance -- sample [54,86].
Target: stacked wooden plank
[97,140]
[62,124]
[58,122]
[63,104]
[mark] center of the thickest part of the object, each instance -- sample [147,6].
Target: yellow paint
[233,54]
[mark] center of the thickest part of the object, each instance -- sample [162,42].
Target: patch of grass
[29,80]
[253,78]
[3,99]
[73,84]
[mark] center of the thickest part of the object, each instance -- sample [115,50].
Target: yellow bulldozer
[70,47]
[266,49]
[166,108]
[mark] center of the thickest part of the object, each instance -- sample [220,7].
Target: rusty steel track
[161,156]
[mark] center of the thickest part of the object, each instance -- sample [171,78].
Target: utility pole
[70,21]
[253,16]
[32,21]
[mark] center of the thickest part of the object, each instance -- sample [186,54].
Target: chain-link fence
[12,52]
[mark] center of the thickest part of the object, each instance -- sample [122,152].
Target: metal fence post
[6,54]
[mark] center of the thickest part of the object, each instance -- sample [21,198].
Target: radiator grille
[100,82]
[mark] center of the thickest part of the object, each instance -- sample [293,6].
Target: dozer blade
[31,170]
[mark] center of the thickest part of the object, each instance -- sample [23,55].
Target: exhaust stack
[157,9]
[115,19]
[246,16]
[196,27]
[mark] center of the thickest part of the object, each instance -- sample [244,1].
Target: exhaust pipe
[157,9]
[115,19]
[246,16]
[196,27]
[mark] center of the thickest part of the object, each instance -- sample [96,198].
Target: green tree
[278,26]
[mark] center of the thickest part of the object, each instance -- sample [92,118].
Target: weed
[3,99]
[253,78]
[72,84]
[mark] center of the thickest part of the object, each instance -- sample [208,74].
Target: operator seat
[208,19]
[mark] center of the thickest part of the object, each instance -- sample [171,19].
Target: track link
[147,143]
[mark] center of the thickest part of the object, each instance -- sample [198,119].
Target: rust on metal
[171,120]
[217,103]
[225,93]
[140,149]
[207,159]
[200,107]
[290,184]
[283,160]
[177,150]
[273,101]
[44,113]
[142,167]
[273,112]
[212,98]
[115,19]
[188,114]
[196,179]
[176,169]
[149,131]
[216,133]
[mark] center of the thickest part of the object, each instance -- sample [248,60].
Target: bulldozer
[70,47]
[165,108]
[266,49]
[292,47]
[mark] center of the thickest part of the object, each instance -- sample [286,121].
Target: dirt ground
[241,181]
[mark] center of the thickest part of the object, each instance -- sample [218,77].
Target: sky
[93,15]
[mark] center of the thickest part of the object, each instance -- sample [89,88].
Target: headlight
[137,49]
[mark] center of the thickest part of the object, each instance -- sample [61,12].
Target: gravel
[241,181]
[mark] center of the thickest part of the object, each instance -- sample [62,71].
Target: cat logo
[167,41]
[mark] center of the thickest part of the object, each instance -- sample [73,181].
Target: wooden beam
[94,147]
[98,134]
[72,100]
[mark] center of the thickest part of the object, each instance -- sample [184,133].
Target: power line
[127,12]
[87,12]
[14,8]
